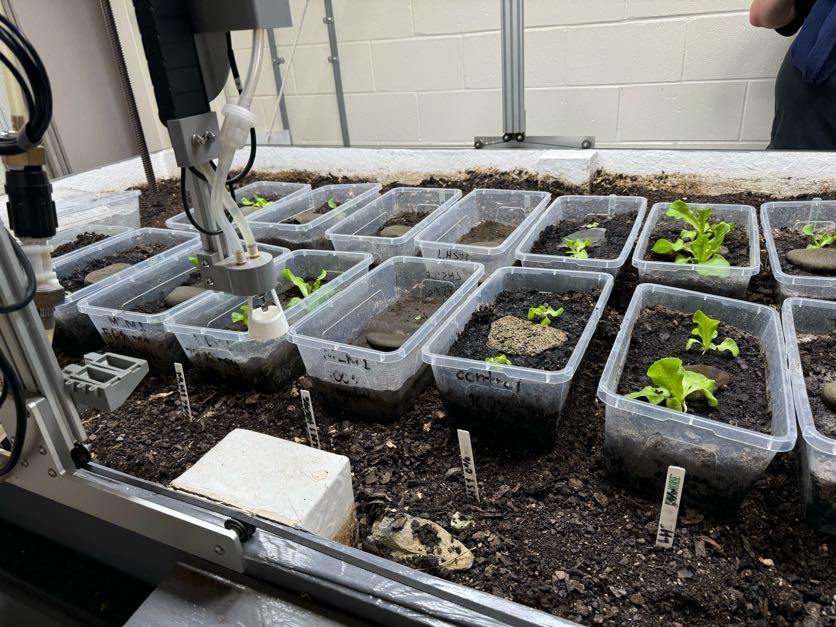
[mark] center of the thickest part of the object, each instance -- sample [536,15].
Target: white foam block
[289,483]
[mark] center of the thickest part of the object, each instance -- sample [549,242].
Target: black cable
[188,210]
[31,280]
[233,65]
[12,381]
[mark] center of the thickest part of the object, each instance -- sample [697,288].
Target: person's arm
[772,13]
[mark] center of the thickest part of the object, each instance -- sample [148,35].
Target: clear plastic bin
[350,197]
[140,334]
[518,209]
[818,452]
[510,405]
[359,231]
[74,332]
[76,207]
[68,235]
[232,355]
[795,214]
[734,281]
[578,207]
[371,383]
[721,461]
[285,192]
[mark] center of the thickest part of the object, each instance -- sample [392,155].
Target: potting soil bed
[158,305]
[618,226]
[473,341]
[81,240]
[661,332]
[792,239]
[405,219]
[394,325]
[487,232]
[736,241]
[75,280]
[818,360]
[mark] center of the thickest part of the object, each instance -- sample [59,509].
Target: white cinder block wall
[634,73]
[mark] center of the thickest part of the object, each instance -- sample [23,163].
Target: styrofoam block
[278,480]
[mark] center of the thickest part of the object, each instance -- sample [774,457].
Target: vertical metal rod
[513,67]
[277,74]
[127,90]
[334,59]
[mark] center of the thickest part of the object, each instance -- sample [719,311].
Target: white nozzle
[269,324]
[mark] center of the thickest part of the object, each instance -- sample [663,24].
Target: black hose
[188,210]
[12,381]
[233,65]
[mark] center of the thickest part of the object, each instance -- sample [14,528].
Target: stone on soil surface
[818,260]
[721,379]
[597,235]
[102,273]
[828,395]
[407,536]
[306,216]
[514,336]
[396,230]
[382,341]
[490,243]
[181,294]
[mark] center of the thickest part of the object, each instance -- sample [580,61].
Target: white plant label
[670,506]
[184,392]
[310,419]
[468,465]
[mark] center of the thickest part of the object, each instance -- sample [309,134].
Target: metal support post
[334,60]
[277,62]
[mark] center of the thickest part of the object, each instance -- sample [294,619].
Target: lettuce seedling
[257,201]
[195,262]
[544,314]
[672,384]
[591,225]
[817,241]
[700,245]
[577,248]
[706,331]
[332,204]
[242,315]
[501,359]
[304,287]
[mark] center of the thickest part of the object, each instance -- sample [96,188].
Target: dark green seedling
[577,247]
[591,225]
[672,384]
[544,313]
[305,288]
[257,201]
[242,315]
[706,331]
[195,262]
[502,360]
[817,241]
[332,204]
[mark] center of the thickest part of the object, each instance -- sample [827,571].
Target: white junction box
[278,480]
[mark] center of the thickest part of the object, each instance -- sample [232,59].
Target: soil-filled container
[269,193]
[742,251]
[222,350]
[810,329]
[813,275]
[130,315]
[389,225]
[725,449]
[485,227]
[610,223]
[519,404]
[69,240]
[139,248]
[302,222]
[362,349]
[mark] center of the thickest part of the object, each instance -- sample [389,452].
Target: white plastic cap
[237,124]
[267,325]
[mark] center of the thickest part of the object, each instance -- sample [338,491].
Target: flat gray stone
[102,273]
[490,243]
[597,235]
[306,216]
[248,209]
[828,395]
[818,260]
[382,341]
[515,336]
[721,379]
[396,230]
[181,294]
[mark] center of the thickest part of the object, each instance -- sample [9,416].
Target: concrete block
[314,119]
[684,111]
[573,111]
[375,118]
[562,12]
[482,61]
[278,480]
[372,19]
[726,46]
[759,111]
[456,117]
[546,57]
[631,52]
[314,30]
[314,72]
[441,17]
[356,67]
[424,64]
[657,8]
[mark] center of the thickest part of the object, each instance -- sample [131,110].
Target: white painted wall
[635,73]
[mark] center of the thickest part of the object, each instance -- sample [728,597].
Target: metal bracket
[104,381]
[255,276]
[183,133]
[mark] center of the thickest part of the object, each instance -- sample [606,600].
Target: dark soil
[405,219]
[787,239]
[472,343]
[81,240]
[487,231]
[669,228]
[158,305]
[618,228]
[661,332]
[818,360]
[552,530]
[74,281]
[403,317]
